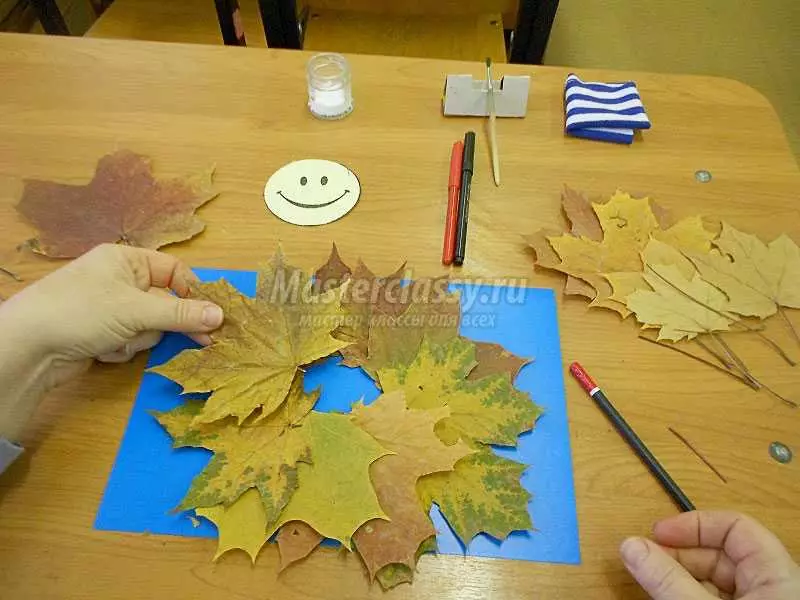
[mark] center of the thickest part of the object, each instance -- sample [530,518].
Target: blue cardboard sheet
[149,477]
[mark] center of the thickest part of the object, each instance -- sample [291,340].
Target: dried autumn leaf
[489,410]
[680,307]
[338,477]
[262,344]
[580,213]
[493,359]
[396,340]
[397,573]
[655,253]
[384,321]
[482,494]
[757,278]
[296,540]
[264,455]
[417,452]
[123,203]
[242,525]
[333,273]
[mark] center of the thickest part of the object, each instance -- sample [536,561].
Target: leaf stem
[733,320]
[698,455]
[698,358]
[789,323]
[738,362]
[720,357]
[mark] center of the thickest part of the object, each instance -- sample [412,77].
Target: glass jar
[329,93]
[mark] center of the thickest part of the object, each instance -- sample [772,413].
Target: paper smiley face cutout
[312,192]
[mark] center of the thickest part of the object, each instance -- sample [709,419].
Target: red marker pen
[453,192]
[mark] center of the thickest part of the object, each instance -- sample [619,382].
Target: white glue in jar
[329,92]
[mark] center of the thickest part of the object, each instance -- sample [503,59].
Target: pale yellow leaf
[759,278]
[679,306]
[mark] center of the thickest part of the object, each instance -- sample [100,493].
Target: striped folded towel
[603,111]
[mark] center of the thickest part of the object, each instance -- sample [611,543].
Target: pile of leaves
[367,478]
[685,278]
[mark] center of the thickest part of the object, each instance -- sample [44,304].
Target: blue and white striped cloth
[603,111]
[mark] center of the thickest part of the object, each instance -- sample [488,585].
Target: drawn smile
[301,205]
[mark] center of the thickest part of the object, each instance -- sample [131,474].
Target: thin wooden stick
[698,455]
[11,274]
[789,323]
[698,358]
[733,321]
[721,358]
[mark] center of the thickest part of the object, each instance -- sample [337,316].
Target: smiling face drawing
[312,192]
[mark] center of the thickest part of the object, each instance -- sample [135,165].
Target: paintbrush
[492,123]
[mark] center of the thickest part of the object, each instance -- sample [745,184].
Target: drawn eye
[303,180]
[324,180]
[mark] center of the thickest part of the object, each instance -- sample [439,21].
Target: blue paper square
[149,477]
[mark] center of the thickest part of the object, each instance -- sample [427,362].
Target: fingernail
[212,315]
[634,550]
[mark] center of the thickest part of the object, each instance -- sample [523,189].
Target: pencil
[492,123]
[629,435]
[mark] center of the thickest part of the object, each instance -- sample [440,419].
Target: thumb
[658,573]
[161,312]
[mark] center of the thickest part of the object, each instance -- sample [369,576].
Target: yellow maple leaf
[680,307]
[242,525]
[261,345]
[417,452]
[656,252]
[334,494]
[488,410]
[757,278]
[264,455]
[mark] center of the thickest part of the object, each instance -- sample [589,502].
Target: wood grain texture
[189,106]
[456,37]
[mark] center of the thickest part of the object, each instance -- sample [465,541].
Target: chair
[517,30]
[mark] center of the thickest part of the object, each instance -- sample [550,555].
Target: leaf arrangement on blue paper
[367,478]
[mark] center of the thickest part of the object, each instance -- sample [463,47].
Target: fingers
[143,341]
[658,573]
[737,534]
[168,313]
[157,269]
[707,564]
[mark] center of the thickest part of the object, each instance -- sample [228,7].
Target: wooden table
[66,102]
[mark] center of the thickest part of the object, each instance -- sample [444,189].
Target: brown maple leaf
[493,359]
[296,540]
[385,320]
[123,203]
[417,452]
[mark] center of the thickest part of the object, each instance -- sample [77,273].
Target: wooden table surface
[66,102]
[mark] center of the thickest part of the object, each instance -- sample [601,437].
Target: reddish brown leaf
[333,273]
[123,203]
[581,215]
[493,359]
[296,540]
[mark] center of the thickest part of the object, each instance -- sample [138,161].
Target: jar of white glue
[329,92]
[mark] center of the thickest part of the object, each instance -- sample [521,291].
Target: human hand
[108,304]
[703,555]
